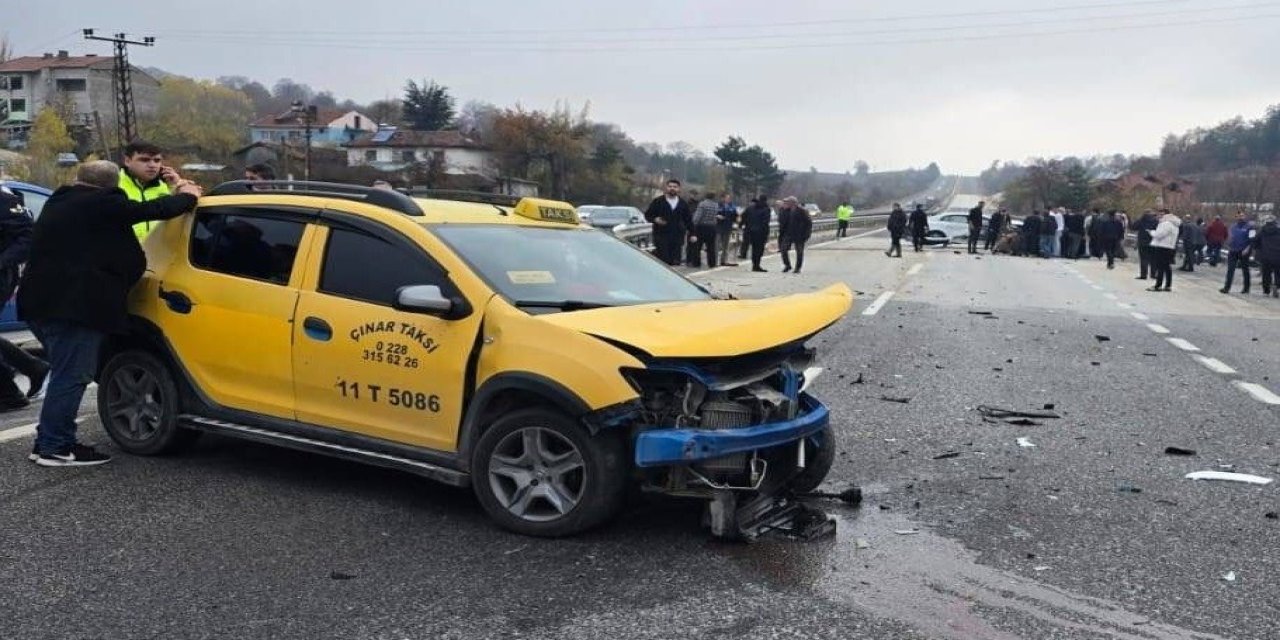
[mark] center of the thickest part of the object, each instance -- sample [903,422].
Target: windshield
[565,269]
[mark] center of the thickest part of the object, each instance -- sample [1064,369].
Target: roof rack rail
[481,197]
[393,200]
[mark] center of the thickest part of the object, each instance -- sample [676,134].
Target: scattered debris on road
[1272,515]
[1014,417]
[991,477]
[338,575]
[1229,477]
[1230,577]
[980,313]
[907,532]
[1025,443]
[1126,488]
[862,543]
[895,399]
[858,380]
[1102,338]
[945,456]
[852,495]
[1179,451]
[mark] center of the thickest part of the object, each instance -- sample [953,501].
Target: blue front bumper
[662,447]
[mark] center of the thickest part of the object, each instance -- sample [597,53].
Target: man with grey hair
[84,260]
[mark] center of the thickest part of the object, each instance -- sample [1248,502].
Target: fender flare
[553,392]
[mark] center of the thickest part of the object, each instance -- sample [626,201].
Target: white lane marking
[876,306]
[1160,329]
[1098,288]
[1110,296]
[18,432]
[1140,316]
[1124,305]
[1215,365]
[1182,344]
[1259,392]
[915,269]
[25,430]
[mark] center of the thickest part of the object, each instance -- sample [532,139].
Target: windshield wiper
[563,305]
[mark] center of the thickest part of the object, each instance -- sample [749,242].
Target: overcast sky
[819,82]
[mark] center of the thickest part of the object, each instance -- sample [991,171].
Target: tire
[519,487]
[138,405]
[817,467]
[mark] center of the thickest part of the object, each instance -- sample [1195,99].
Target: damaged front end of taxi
[742,433]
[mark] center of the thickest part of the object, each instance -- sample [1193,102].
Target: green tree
[1076,192]
[548,147]
[49,137]
[199,118]
[428,107]
[752,170]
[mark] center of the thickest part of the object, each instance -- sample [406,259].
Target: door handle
[177,301]
[317,329]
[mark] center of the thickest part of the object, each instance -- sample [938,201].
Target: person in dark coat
[1031,233]
[975,226]
[84,260]
[1144,226]
[1192,236]
[755,230]
[672,219]
[897,226]
[994,229]
[1074,223]
[794,228]
[1215,235]
[1266,248]
[1108,232]
[919,222]
[15,246]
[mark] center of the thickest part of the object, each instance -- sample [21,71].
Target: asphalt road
[1091,533]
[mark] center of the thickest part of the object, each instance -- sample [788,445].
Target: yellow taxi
[490,343]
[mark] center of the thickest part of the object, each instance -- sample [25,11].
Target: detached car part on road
[498,345]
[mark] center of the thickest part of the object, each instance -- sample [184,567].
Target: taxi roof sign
[546,211]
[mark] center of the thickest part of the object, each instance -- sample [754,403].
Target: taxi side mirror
[423,298]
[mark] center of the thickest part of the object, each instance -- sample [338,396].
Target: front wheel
[537,472]
[819,463]
[138,405]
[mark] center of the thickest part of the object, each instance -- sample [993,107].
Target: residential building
[84,84]
[332,128]
[392,149]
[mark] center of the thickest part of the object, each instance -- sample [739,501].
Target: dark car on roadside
[33,197]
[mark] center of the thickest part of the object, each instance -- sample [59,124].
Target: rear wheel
[138,405]
[538,472]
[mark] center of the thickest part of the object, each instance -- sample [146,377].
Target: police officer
[15,244]
[843,213]
[144,177]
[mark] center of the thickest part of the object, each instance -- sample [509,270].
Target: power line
[517,48]
[471,42]
[701,27]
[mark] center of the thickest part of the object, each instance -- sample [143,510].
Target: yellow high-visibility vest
[139,193]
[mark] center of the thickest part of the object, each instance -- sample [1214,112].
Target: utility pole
[126,120]
[308,115]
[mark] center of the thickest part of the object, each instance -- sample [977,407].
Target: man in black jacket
[1108,232]
[994,229]
[1031,233]
[755,230]
[1074,223]
[897,225]
[794,228]
[15,245]
[671,218]
[84,260]
[919,226]
[1266,247]
[975,226]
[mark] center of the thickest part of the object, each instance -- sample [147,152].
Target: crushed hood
[712,328]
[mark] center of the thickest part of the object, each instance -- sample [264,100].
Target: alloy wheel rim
[134,403]
[537,474]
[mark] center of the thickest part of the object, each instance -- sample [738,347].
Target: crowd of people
[1159,235]
[683,231]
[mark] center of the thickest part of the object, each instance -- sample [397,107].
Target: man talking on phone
[144,177]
